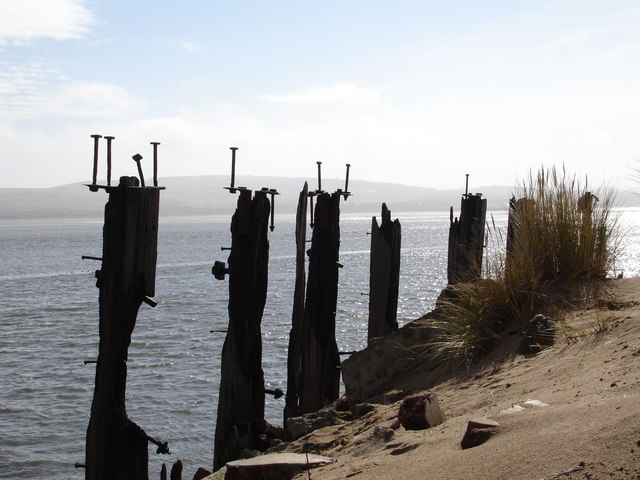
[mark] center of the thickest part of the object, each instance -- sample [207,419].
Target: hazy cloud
[23,88]
[192,46]
[92,100]
[22,21]
[339,92]
[186,45]
[437,146]
[39,90]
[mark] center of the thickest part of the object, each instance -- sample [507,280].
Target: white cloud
[339,92]
[23,89]
[186,45]
[92,100]
[22,21]
[37,90]
[496,141]
[192,46]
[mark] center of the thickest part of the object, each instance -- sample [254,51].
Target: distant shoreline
[175,219]
[226,217]
[205,196]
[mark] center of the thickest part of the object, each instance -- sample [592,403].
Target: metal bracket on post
[155,163]
[232,188]
[346,193]
[94,187]
[219,270]
[318,191]
[273,192]
[276,392]
[109,139]
[319,177]
[137,158]
[94,184]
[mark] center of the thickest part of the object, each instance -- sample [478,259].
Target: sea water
[49,327]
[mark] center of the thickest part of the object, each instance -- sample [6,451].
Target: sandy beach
[571,411]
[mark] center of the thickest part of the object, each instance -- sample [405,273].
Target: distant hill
[204,195]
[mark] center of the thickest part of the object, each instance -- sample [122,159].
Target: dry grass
[562,230]
[560,233]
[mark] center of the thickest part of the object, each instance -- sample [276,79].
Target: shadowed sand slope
[584,425]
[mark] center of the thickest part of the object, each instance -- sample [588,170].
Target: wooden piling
[294,357]
[116,447]
[241,401]
[517,212]
[384,275]
[319,374]
[176,471]
[466,240]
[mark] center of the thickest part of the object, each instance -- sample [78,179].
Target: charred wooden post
[241,401]
[319,375]
[585,207]
[384,275]
[511,227]
[466,240]
[294,357]
[176,471]
[116,447]
[518,212]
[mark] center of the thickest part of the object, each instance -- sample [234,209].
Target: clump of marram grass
[559,233]
[562,230]
[467,323]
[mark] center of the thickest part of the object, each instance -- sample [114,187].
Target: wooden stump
[466,240]
[116,447]
[384,275]
[241,401]
[294,356]
[319,375]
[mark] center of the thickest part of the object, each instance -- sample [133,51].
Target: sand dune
[585,423]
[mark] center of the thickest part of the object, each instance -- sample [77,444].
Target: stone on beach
[419,412]
[276,466]
[297,427]
[479,430]
[201,474]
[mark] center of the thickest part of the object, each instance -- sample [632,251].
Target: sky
[414,92]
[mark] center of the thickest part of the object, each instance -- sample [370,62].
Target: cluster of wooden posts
[117,448]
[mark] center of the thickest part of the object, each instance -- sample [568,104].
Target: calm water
[49,326]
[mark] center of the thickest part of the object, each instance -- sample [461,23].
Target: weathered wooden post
[313,379]
[519,213]
[466,240]
[511,229]
[241,402]
[384,275]
[294,356]
[319,380]
[116,447]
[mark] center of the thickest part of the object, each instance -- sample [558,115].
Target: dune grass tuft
[560,233]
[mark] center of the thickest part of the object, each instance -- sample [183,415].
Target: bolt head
[137,157]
